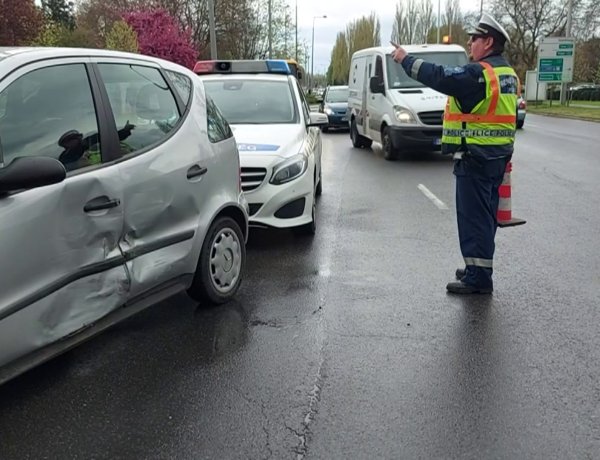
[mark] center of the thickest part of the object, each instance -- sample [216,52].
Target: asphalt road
[348,346]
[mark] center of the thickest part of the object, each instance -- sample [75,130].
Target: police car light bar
[243,66]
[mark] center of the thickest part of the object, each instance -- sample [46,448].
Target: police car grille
[252,178]
[432,118]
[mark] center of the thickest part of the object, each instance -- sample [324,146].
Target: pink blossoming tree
[159,35]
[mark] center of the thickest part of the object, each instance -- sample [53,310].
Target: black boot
[460,273]
[458,287]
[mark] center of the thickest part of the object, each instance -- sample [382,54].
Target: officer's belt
[479,132]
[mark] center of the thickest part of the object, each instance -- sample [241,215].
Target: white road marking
[429,194]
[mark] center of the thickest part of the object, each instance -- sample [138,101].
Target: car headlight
[289,169]
[404,115]
[328,111]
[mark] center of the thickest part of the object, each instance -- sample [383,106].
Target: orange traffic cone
[504,215]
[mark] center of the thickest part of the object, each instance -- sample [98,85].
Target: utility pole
[296,47]
[270,35]
[563,87]
[211,25]
[438,20]
[312,52]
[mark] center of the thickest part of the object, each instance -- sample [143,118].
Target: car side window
[51,112]
[379,68]
[305,106]
[182,84]
[218,128]
[144,109]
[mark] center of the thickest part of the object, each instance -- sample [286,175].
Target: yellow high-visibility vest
[489,130]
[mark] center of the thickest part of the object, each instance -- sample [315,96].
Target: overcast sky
[339,13]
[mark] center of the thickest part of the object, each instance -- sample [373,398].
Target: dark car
[521,112]
[335,106]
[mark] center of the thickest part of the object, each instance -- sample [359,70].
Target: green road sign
[565,46]
[564,53]
[550,76]
[550,65]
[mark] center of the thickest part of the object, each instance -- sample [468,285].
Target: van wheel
[389,152]
[358,141]
[221,265]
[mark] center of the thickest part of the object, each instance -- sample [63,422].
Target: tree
[413,21]
[122,37]
[160,36]
[59,12]
[56,34]
[340,61]
[363,33]
[587,61]
[20,22]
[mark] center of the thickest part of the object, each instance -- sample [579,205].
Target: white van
[389,107]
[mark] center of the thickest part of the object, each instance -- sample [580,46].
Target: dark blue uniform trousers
[477,183]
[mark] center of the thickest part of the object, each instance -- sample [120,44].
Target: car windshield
[397,77]
[253,101]
[337,95]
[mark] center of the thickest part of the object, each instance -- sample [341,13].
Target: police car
[278,139]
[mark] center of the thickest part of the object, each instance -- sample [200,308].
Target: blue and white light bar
[278,66]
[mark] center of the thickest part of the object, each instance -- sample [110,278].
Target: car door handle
[196,171]
[100,203]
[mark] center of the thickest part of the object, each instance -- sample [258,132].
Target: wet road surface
[347,345]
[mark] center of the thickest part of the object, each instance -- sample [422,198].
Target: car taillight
[522,105]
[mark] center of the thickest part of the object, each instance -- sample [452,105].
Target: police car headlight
[403,115]
[290,169]
[328,111]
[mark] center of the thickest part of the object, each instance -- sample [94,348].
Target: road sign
[555,59]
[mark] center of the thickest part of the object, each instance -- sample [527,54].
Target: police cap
[489,27]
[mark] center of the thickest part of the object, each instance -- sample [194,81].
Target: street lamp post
[312,52]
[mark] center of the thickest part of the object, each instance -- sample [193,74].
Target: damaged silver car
[119,186]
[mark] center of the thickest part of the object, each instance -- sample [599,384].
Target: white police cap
[488,26]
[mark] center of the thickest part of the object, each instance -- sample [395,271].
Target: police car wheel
[221,265]
[319,189]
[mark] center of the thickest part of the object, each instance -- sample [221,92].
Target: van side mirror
[376,85]
[25,173]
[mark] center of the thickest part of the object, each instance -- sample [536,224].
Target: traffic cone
[504,214]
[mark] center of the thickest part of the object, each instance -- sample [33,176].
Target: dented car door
[61,265]
[164,176]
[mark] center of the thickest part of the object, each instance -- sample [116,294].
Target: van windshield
[397,77]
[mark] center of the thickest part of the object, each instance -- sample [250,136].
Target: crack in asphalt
[263,412]
[313,400]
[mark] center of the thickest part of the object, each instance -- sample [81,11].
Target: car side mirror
[376,85]
[318,119]
[25,173]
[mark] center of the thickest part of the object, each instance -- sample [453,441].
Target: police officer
[479,129]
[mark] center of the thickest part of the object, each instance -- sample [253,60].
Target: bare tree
[412,22]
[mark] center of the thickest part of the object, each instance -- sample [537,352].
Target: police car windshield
[397,77]
[258,102]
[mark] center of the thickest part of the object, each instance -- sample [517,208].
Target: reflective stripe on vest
[491,124]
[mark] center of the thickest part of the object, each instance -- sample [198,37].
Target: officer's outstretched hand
[399,53]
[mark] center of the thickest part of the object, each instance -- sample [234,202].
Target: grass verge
[575,112]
